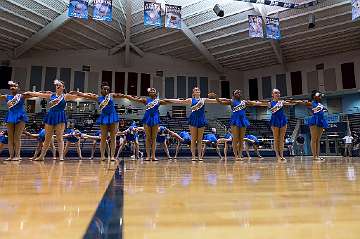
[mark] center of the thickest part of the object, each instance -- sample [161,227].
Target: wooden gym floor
[181,199]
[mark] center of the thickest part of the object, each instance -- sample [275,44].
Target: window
[296,83]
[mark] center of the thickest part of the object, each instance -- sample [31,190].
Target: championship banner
[273,28]
[173,16]
[78,9]
[355,9]
[102,10]
[152,14]
[255,26]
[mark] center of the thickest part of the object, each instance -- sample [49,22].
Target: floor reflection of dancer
[108,118]
[55,119]
[40,136]
[238,121]
[15,119]
[151,120]
[197,120]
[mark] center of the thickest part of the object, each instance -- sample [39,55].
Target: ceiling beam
[203,50]
[42,34]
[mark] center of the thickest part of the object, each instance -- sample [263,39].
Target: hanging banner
[173,16]
[78,9]
[102,10]
[255,26]
[152,14]
[273,28]
[355,9]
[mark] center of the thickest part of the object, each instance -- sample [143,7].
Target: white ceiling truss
[223,43]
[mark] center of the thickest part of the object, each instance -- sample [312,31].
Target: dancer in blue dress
[162,138]
[108,119]
[15,119]
[4,139]
[211,140]
[251,141]
[226,140]
[197,120]
[185,138]
[132,137]
[55,118]
[317,122]
[72,136]
[278,122]
[40,136]
[151,120]
[238,121]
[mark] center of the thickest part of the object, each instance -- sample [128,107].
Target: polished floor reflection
[50,199]
[299,199]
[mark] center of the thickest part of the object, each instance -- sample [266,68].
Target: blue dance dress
[161,136]
[211,138]
[4,139]
[186,137]
[56,114]
[238,117]
[16,112]
[74,135]
[251,139]
[318,117]
[278,117]
[108,113]
[41,135]
[152,115]
[131,134]
[197,117]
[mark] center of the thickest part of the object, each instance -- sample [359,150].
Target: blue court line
[108,218]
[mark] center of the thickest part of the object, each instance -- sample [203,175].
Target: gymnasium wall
[329,79]
[47,65]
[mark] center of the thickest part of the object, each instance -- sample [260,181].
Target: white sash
[318,108]
[277,107]
[14,101]
[152,104]
[240,106]
[198,105]
[56,101]
[105,102]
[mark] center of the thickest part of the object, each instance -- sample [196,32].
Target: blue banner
[355,9]
[255,26]
[173,16]
[273,28]
[152,14]
[102,10]
[78,9]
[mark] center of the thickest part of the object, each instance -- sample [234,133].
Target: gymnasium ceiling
[222,42]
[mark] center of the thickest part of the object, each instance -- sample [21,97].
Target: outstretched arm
[178,101]
[30,94]
[175,135]
[30,135]
[222,101]
[135,98]
[117,95]
[88,96]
